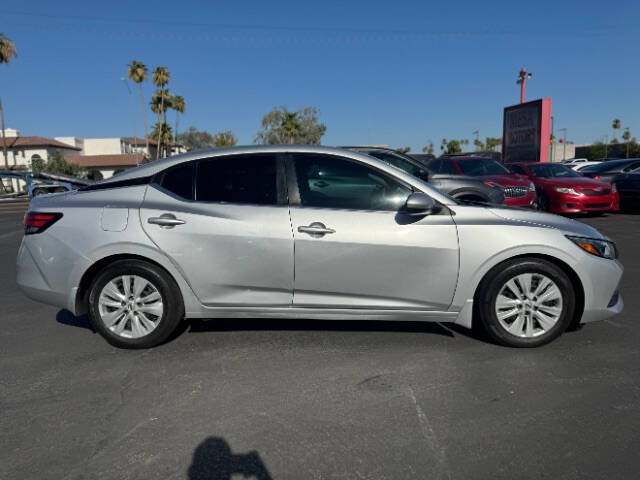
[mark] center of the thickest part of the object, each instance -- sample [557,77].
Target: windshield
[477,167]
[397,161]
[552,171]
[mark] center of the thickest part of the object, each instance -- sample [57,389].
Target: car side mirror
[420,204]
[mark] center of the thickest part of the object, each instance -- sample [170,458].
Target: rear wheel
[525,302]
[543,202]
[134,304]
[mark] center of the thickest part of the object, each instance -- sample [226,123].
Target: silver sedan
[307,232]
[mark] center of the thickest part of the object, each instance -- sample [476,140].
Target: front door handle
[316,229]
[166,220]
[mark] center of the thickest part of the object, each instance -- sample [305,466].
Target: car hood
[508,180]
[582,182]
[548,220]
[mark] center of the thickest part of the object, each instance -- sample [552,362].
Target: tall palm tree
[7,52]
[159,103]
[160,79]
[179,105]
[137,72]
[163,131]
[616,126]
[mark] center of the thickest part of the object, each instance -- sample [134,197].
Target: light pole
[564,143]
[523,76]
[133,118]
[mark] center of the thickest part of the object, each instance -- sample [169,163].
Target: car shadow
[260,324]
[214,460]
[65,317]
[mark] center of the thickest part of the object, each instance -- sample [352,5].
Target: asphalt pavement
[314,399]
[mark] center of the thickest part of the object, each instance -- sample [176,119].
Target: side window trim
[158,178]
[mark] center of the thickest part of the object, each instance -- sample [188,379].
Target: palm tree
[159,103]
[616,126]
[160,79]
[162,131]
[137,72]
[290,126]
[7,52]
[626,136]
[179,105]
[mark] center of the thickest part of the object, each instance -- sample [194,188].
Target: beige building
[22,150]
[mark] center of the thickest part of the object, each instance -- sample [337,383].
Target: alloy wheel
[130,306]
[529,305]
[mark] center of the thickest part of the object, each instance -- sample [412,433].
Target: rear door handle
[166,220]
[316,229]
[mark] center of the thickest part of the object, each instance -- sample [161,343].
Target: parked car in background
[609,171]
[574,161]
[628,185]
[423,158]
[561,190]
[462,188]
[306,232]
[518,189]
[579,166]
[24,183]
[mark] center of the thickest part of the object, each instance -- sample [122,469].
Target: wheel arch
[562,265]
[82,293]
[466,191]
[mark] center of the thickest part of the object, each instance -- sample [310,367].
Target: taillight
[38,222]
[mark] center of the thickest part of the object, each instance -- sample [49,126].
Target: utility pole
[564,143]
[523,76]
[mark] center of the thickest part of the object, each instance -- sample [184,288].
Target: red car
[563,190]
[519,191]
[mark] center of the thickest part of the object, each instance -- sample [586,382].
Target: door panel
[367,254]
[373,260]
[232,255]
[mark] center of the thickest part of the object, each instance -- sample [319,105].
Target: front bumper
[564,203]
[528,200]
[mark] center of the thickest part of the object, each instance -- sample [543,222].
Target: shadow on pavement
[65,317]
[266,324]
[213,460]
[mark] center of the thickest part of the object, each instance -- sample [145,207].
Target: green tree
[37,164]
[179,105]
[162,132]
[492,143]
[58,164]
[224,139]
[626,136]
[194,139]
[160,79]
[137,72]
[280,126]
[479,145]
[7,52]
[453,146]
[403,149]
[428,148]
[615,125]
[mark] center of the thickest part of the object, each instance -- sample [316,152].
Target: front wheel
[525,302]
[543,203]
[135,304]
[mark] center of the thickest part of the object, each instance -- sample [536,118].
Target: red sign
[527,131]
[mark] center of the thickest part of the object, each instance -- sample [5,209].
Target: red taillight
[38,222]
[597,177]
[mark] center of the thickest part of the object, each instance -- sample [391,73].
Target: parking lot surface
[316,399]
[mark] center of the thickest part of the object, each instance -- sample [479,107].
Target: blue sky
[399,73]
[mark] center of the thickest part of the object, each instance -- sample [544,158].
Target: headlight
[570,191]
[597,247]
[532,187]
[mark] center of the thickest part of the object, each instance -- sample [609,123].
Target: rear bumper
[33,282]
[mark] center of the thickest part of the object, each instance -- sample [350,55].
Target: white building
[22,150]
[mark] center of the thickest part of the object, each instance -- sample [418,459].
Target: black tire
[471,198]
[38,191]
[172,315]
[543,203]
[497,277]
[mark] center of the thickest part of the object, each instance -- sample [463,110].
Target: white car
[579,166]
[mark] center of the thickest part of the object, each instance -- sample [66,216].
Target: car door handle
[316,229]
[166,220]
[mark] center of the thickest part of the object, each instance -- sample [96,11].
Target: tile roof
[35,141]
[113,160]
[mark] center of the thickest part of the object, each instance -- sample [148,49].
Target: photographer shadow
[214,460]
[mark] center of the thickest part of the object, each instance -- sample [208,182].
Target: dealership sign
[527,132]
